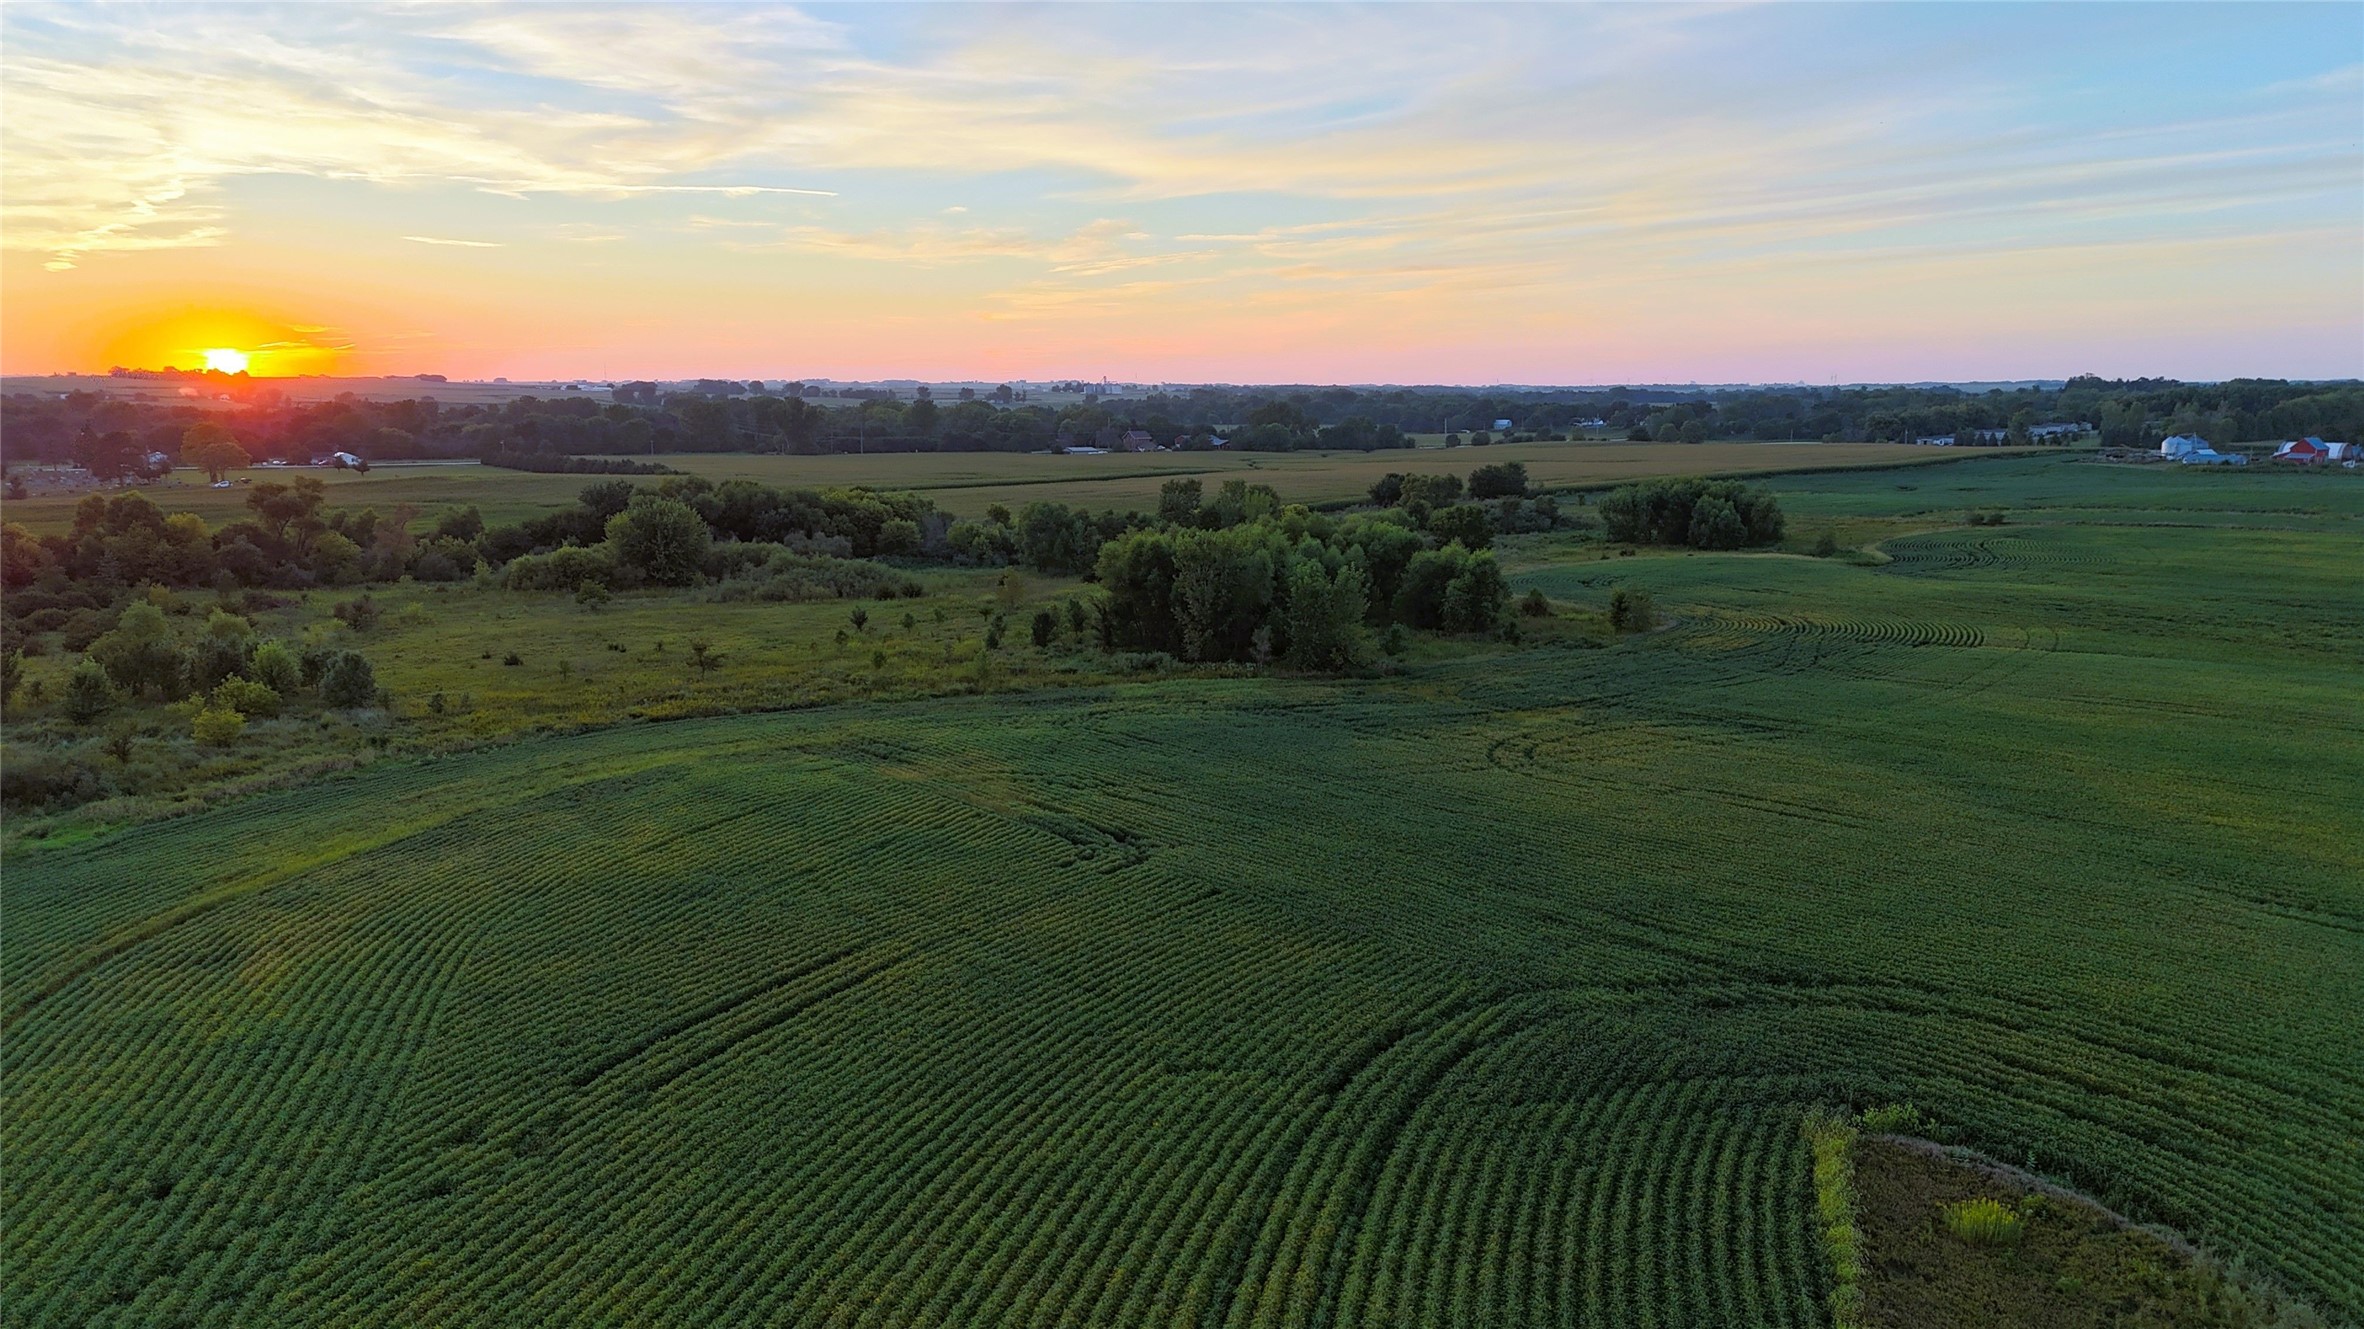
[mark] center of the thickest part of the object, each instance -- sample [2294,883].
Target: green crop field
[1489,992]
[966,483]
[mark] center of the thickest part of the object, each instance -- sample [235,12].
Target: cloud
[1348,163]
[463,244]
[121,137]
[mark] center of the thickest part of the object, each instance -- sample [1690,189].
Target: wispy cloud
[1374,170]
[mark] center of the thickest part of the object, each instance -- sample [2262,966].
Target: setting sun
[225,359]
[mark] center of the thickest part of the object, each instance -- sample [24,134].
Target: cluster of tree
[1705,514]
[1295,586]
[621,536]
[288,541]
[140,656]
[1498,503]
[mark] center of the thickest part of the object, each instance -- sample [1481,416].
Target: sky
[1187,193]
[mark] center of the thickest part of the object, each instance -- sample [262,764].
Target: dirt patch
[2073,1265]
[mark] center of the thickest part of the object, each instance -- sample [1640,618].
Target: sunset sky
[1188,193]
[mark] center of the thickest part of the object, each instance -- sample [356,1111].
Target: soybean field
[1488,993]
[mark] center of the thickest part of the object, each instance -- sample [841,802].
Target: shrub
[217,726]
[569,568]
[89,693]
[1502,480]
[217,656]
[1536,604]
[1466,524]
[247,697]
[1826,545]
[359,614]
[275,667]
[787,575]
[1632,610]
[1984,1222]
[1046,625]
[592,595]
[348,680]
[661,540]
[44,777]
[140,655]
[1895,1119]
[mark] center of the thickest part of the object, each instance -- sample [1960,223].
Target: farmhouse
[1137,440]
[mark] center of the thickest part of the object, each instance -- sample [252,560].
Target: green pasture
[967,483]
[1490,992]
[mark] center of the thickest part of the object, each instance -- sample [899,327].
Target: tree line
[116,438]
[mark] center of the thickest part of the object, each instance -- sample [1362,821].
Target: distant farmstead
[1138,440]
[2193,450]
[2060,429]
[2304,450]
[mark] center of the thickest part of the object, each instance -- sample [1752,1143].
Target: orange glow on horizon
[228,341]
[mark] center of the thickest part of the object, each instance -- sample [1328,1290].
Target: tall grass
[1832,1136]
[1985,1221]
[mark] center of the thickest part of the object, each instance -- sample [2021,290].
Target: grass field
[966,483]
[1491,993]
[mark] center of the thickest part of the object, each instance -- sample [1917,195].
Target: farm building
[2177,445]
[2211,457]
[1138,440]
[2060,429]
[2303,450]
